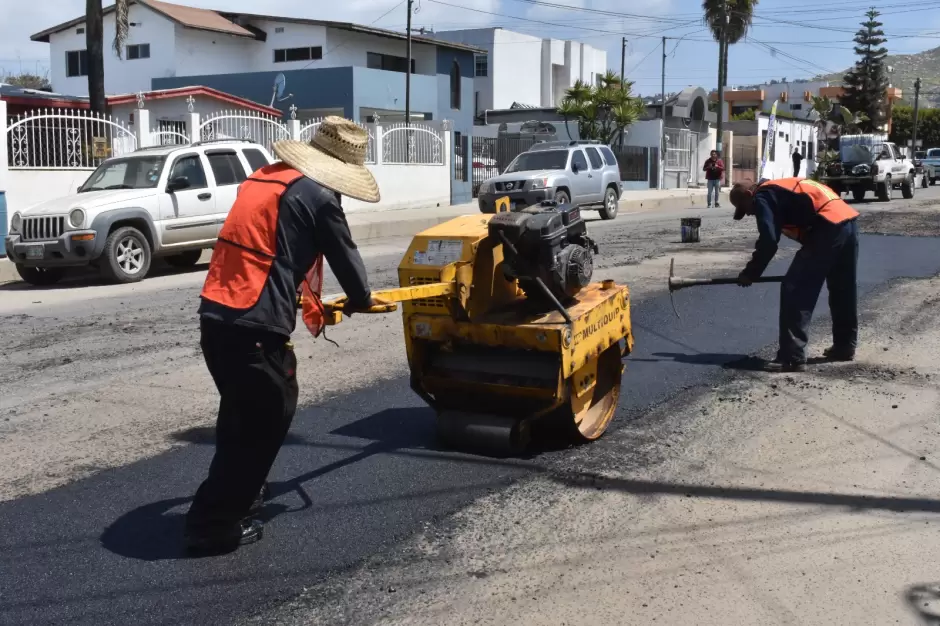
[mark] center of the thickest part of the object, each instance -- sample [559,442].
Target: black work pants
[829,254]
[255,373]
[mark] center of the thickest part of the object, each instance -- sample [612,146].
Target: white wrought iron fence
[414,144]
[261,129]
[65,139]
[169,133]
[308,128]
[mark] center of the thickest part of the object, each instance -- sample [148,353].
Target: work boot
[780,366]
[834,353]
[219,542]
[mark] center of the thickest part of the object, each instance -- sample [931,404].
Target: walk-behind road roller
[503,327]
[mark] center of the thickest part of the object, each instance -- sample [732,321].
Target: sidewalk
[368,225]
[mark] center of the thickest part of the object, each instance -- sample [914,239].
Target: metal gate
[492,155]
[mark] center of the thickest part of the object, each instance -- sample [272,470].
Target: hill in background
[907,67]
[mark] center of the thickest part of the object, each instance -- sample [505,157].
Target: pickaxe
[677,282]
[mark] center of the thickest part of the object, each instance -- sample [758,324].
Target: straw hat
[335,158]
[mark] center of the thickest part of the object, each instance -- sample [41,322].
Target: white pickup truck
[869,163]
[167,201]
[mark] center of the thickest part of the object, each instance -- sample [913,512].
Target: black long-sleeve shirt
[775,207]
[310,221]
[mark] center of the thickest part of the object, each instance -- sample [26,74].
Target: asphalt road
[360,473]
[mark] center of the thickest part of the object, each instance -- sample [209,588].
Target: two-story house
[525,70]
[327,67]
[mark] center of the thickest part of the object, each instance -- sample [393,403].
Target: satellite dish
[280,84]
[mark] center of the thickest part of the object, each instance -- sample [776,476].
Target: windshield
[920,155]
[130,173]
[933,153]
[542,160]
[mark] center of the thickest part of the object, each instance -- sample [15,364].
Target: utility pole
[408,71]
[623,79]
[722,50]
[623,58]
[663,85]
[914,132]
[662,127]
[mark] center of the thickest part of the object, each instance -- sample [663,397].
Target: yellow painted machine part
[453,291]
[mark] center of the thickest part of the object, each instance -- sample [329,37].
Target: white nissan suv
[166,201]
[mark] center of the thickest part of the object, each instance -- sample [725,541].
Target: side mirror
[177,184]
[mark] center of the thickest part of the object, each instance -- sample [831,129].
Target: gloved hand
[744,280]
[349,309]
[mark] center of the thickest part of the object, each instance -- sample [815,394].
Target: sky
[789,39]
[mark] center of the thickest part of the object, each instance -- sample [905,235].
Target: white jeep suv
[166,201]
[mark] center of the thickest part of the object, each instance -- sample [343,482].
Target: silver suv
[584,173]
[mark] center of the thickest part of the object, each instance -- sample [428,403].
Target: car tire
[126,257]
[924,181]
[609,210]
[885,190]
[184,260]
[561,197]
[40,276]
[907,187]
[858,195]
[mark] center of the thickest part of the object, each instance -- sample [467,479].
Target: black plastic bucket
[690,226]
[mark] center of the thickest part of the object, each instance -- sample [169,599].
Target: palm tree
[94,44]
[603,111]
[728,20]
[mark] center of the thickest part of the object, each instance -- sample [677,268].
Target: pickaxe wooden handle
[676,282]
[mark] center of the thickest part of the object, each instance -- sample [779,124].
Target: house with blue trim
[320,67]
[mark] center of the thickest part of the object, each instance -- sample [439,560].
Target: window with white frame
[76,63]
[138,51]
[481,65]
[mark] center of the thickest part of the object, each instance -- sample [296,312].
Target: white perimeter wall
[28,187]
[407,187]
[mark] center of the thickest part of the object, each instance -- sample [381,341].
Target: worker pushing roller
[503,326]
[814,215]
[287,217]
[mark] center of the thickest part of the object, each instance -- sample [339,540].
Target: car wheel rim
[130,256]
[611,202]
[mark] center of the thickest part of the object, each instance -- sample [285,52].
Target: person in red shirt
[714,170]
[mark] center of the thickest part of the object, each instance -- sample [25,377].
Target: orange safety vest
[247,247]
[827,203]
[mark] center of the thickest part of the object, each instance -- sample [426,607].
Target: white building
[525,69]
[171,40]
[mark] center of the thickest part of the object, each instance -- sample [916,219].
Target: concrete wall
[120,76]
[354,88]
[28,187]
[199,52]
[515,69]
[324,88]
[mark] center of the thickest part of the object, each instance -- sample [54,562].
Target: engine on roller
[547,249]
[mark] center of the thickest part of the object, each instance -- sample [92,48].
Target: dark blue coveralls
[829,254]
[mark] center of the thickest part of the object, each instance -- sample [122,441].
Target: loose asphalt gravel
[106,416]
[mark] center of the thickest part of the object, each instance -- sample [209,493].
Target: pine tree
[866,84]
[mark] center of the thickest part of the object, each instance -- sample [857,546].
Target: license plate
[34,252]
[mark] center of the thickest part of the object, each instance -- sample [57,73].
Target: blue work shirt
[774,208]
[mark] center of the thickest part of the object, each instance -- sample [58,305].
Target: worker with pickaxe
[816,216]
